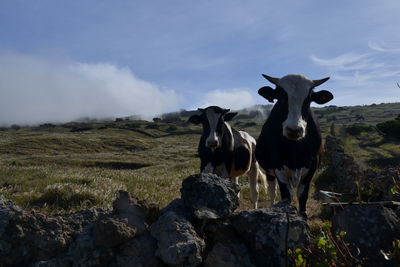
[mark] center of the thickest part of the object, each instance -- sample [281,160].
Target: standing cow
[290,144]
[227,152]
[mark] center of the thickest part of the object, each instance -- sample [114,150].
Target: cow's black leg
[303,196]
[285,191]
[302,190]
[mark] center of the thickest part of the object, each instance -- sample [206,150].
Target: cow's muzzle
[294,133]
[212,144]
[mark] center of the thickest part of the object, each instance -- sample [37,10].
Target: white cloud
[233,99]
[384,48]
[365,77]
[35,89]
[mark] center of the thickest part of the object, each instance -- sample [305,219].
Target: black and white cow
[227,152]
[290,144]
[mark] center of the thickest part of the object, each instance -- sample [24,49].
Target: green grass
[75,165]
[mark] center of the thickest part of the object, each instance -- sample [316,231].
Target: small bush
[74,194]
[357,129]
[330,250]
[390,128]
[62,196]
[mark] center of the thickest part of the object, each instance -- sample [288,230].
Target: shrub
[61,196]
[330,250]
[390,128]
[357,129]
[393,255]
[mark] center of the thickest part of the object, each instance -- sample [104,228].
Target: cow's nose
[294,132]
[212,143]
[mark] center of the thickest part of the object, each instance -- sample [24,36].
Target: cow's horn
[271,79]
[319,82]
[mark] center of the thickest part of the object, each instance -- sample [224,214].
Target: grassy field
[64,167]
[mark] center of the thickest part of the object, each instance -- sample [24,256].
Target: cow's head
[213,119]
[294,93]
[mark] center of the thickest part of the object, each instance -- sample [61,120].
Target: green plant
[390,128]
[357,129]
[396,188]
[330,251]
[393,255]
[298,257]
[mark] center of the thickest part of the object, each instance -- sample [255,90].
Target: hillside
[82,164]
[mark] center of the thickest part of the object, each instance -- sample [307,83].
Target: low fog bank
[35,90]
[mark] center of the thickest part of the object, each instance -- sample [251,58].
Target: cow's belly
[241,161]
[235,173]
[289,176]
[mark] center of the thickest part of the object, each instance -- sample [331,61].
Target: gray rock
[28,237]
[177,241]
[226,248]
[139,213]
[209,197]
[138,252]
[376,184]
[228,255]
[265,231]
[111,232]
[370,228]
[83,252]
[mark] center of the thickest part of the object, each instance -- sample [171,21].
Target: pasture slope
[62,167]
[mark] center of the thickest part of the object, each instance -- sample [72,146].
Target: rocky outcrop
[178,243]
[373,185]
[111,232]
[370,228]
[208,196]
[269,233]
[27,237]
[201,228]
[226,247]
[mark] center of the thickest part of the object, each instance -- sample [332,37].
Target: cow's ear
[229,116]
[196,119]
[268,93]
[321,97]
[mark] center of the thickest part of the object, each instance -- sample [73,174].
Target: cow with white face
[227,152]
[290,144]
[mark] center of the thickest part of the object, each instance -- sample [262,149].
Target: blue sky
[61,60]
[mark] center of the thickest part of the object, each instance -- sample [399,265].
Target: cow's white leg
[252,174]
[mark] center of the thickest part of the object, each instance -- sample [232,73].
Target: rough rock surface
[177,240]
[265,232]
[27,237]
[138,252]
[83,252]
[200,229]
[348,171]
[370,228]
[226,247]
[139,213]
[111,232]
[210,197]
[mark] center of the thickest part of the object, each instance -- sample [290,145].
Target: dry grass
[76,165]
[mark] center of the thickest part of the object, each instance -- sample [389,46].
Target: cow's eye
[282,96]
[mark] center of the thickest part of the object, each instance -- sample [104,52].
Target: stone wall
[201,228]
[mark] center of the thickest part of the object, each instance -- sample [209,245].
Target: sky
[65,60]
